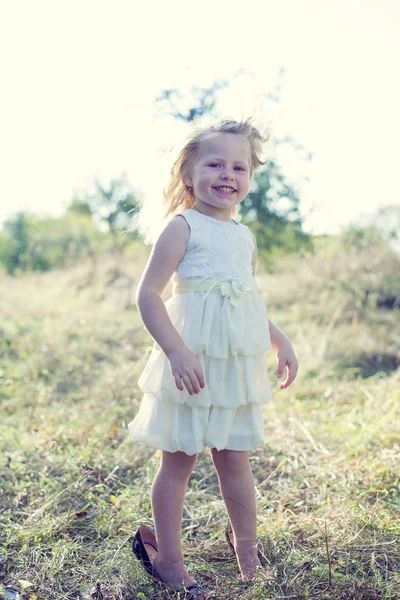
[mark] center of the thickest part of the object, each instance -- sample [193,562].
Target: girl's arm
[285,356]
[165,257]
[166,254]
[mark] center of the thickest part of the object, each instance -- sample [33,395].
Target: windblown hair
[177,196]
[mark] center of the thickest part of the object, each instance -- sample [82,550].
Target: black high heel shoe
[230,539]
[144,547]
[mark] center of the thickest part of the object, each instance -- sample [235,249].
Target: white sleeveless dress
[225,324]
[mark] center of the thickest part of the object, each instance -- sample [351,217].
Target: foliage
[113,205]
[274,227]
[80,207]
[386,220]
[347,288]
[31,243]
[204,99]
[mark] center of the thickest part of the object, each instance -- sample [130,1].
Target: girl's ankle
[246,547]
[248,557]
[165,563]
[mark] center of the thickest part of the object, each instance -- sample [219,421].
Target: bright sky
[79,79]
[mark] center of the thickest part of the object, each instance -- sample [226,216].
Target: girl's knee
[178,464]
[230,460]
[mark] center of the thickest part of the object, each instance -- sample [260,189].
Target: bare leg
[167,497]
[237,489]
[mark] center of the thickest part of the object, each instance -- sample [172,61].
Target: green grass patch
[74,487]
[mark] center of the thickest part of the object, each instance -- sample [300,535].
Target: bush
[31,243]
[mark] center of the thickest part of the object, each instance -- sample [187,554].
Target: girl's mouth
[225,190]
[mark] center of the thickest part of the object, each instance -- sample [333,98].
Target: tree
[15,244]
[80,207]
[272,225]
[205,98]
[387,221]
[112,206]
[32,243]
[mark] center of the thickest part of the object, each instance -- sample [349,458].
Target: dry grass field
[74,487]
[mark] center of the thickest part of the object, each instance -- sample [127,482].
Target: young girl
[206,379]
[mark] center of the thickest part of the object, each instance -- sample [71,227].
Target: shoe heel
[228,531]
[139,549]
[136,548]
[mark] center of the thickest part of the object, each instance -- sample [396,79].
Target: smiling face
[221,176]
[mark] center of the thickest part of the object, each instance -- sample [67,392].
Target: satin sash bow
[233,290]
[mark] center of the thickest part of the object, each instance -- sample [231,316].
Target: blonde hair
[177,196]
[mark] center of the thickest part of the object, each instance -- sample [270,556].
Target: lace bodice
[216,249]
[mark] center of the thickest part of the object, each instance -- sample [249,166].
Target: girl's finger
[178,382]
[291,375]
[188,383]
[195,382]
[200,376]
[281,367]
[293,372]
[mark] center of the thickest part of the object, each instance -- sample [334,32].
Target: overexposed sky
[79,79]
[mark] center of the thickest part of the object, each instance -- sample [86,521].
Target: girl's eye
[218,165]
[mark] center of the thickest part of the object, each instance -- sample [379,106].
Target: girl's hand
[286,358]
[186,368]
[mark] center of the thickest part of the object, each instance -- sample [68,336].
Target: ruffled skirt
[230,341]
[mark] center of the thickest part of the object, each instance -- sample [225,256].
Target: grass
[74,487]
